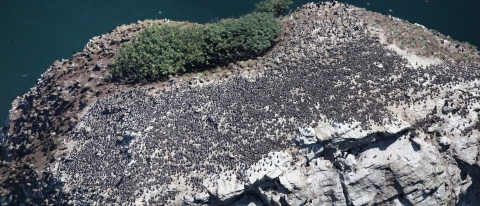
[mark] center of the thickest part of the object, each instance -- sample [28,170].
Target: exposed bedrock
[330,116]
[424,164]
[431,161]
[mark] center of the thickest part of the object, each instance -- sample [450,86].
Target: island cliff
[349,108]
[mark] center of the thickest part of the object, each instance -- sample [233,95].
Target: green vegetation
[277,7]
[161,50]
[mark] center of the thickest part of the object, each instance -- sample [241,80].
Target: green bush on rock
[249,36]
[161,50]
[158,50]
[277,7]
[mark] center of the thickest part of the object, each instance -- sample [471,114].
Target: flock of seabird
[138,147]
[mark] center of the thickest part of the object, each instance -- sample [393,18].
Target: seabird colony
[135,147]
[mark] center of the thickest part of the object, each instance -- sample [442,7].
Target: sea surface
[33,34]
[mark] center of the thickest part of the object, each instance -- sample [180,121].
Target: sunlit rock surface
[332,115]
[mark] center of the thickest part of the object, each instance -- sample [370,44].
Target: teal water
[45,31]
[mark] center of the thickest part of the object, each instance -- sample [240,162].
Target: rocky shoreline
[342,111]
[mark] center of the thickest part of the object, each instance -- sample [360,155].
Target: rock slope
[335,114]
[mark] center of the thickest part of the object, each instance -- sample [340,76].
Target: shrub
[159,50]
[162,50]
[247,37]
[277,7]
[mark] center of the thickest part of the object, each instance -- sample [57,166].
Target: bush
[159,50]
[277,7]
[247,37]
[162,50]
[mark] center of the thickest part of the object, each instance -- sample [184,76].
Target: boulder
[324,184]
[378,65]
[227,188]
[202,197]
[306,136]
[444,141]
[347,163]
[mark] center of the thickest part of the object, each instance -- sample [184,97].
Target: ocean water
[49,30]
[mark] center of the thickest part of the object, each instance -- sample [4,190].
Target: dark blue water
[49,30]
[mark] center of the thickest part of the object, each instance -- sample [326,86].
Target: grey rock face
[292,184]
[397,170]
[306,136]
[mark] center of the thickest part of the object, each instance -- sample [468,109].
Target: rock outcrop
[335,114]
[434,162]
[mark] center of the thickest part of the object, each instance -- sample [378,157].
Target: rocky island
[350,107]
